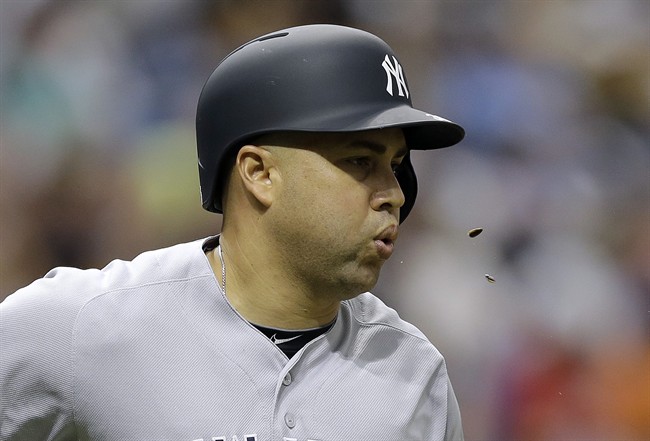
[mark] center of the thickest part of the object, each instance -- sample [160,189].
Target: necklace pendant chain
[223,269]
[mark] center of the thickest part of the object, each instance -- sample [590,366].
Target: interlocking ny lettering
[394,71]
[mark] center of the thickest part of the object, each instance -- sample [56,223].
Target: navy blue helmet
[314,78]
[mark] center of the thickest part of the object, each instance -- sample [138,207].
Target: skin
[302,215]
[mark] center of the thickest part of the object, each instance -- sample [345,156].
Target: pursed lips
[385,241]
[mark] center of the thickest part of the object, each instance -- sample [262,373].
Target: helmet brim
[422,130]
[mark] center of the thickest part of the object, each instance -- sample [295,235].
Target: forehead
[389,140]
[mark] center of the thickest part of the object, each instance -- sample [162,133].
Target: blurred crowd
[97,161]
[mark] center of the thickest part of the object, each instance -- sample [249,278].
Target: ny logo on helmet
[394,71]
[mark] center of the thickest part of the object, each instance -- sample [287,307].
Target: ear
[256,168]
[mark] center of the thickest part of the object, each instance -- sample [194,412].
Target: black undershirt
[291,342]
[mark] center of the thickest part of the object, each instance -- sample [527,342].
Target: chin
[356,278]
[359,284]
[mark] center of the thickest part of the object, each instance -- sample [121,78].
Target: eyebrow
[377,147]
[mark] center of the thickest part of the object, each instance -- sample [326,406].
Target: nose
[388,195]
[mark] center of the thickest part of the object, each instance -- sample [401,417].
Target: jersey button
[290,420]
[287,379]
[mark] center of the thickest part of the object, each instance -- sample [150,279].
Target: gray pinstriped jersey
[151,350]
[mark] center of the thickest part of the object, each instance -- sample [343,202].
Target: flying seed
[474,232]
[489,278]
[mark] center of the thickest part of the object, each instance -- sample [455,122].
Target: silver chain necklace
[223,269]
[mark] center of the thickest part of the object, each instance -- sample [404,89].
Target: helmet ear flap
[405,175]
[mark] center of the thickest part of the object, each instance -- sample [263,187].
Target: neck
[261,289]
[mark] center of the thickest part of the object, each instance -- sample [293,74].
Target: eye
[397,163]
[361,161]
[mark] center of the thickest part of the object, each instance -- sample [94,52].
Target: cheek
[322,205]
[336,198]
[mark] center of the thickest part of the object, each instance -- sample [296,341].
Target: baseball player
[266,331]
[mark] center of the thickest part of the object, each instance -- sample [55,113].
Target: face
[336,213]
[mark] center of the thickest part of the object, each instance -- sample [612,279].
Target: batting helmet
[314,78]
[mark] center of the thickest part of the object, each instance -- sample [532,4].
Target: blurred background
[97,161]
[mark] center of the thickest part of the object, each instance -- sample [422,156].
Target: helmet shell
[313,78]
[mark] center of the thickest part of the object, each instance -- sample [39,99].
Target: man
[267,331]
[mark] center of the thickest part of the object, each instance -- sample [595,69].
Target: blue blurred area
[98,162]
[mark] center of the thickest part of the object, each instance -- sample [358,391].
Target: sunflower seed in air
[474,232]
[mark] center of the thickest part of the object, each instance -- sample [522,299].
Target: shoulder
[368,310]
[378,324]
[40,319]
[390,348]
[71,288]
[43,314]
[39,331]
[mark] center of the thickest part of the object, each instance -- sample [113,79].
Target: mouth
[385,241]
